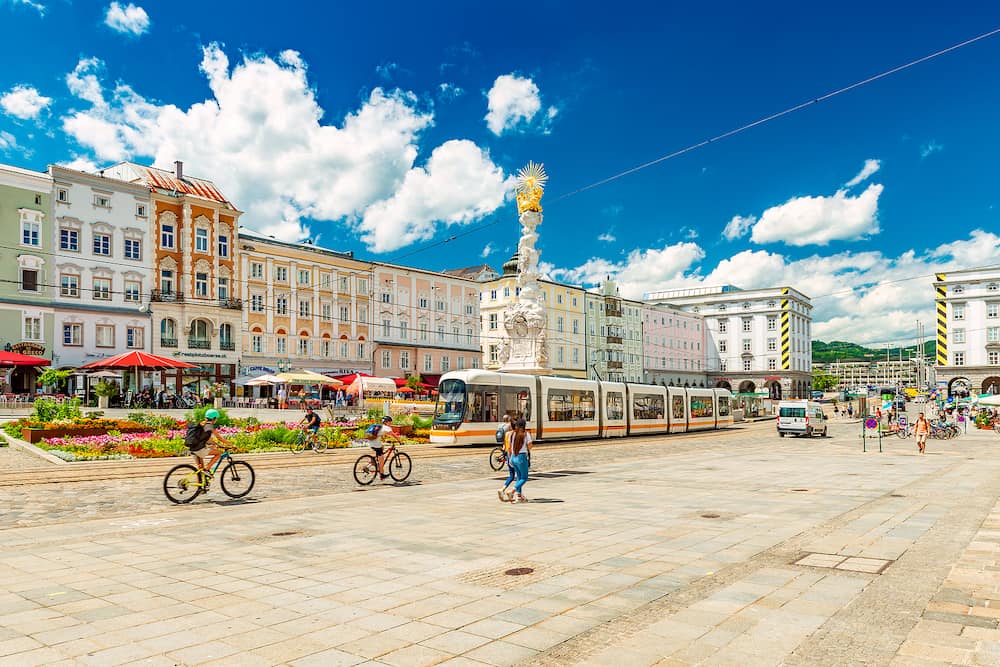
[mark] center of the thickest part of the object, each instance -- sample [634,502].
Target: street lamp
[284,365]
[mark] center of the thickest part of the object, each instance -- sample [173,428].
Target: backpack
[196,436]
[371,433]
[501,432]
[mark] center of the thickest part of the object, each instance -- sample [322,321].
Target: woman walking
[518,445]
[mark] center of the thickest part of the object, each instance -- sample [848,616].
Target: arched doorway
[22,379]
[724,384]
[991,385]
[773,390]
[747,387]
[959,387]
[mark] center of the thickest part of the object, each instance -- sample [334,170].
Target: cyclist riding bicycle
[384,430]
[312,422]
[203,440]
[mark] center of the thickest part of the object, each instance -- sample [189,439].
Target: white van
[801,418]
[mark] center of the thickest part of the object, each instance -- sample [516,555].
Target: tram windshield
[451,401]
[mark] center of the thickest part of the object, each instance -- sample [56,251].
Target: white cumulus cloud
[513,102]
[8,142]
[738,227]
[128,19]
[869,168]
[487,251]
[818,220]
[275,159]
[606,237]
[32,4]
[24,102]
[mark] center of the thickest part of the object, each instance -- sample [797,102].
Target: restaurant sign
[33,349]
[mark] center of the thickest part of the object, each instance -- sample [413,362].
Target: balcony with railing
[199,344]
[168,342]
[227,345]
[614,340]
[231,304]
[614,364]
[165,295]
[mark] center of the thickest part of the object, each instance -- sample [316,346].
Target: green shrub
[49,410]
[277,435]
[105,388]
[198,414]
[153,421]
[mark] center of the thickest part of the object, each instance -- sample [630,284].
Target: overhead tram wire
[729,133]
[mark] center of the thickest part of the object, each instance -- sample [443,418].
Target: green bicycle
[185,482]
[319,441]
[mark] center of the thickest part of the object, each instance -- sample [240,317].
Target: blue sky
[385,128]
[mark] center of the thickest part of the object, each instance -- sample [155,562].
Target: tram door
[492,414]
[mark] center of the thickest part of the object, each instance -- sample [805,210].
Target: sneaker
[503,496]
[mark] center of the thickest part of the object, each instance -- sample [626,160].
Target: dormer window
[958,289]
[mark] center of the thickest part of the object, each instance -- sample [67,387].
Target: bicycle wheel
[321,442]
[298,444]
[903,435]
[400,466]
[237,479]
[497,458]
[365,469]
[181,484]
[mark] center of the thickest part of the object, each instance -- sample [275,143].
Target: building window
[166,282]
[344,313]
[493,321]
[958,311]
[134,337]
[386,297]
[166,236]
[993,335]
[281,345]
[257,303]
[324,347]
[772,364]
[256,343]
[772,344]
[993,357]
[959,358]
[281,274]
[440,333]
[32,328]
[326,312]
[140,210]
[281,306]
[493,295]
[133,249]
[105,335]
[325,281]
[102,289]
[959,336]
[772,323]
[133,290]
[305,276]
[256,270]
[305,308]
[445,364]
[386,359]
[102,244]
[69,240]
[362,286]
[723,346]
[343,350]
[992,287]
[344,284]
[494,354]
[201,240]
[362,315]
[746,323]
[559,355]
[992,310]
[404,330]
[201,284]
[747,364]
[361,350]
[62,195]
[723,326]
[73,334]
[423,331]
[303,346]
[746,345]
[223,246]
[404,359]
[468,336]
[386,328]
[559,324]
[422,302]
[102,200]
[428,363]
[958,289]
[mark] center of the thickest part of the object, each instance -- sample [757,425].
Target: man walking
[921,429]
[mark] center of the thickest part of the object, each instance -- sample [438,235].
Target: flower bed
[35,435]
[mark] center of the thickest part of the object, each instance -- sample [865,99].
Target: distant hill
[839,350]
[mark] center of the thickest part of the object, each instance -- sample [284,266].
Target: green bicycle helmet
[212,414]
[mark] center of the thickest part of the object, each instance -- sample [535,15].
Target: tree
[54,378]
[414,381]
[824,381]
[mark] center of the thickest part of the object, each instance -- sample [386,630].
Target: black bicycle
[186,482]
[397,464]
[498,458]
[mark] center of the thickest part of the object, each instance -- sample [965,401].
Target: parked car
[817,395]
[801,418]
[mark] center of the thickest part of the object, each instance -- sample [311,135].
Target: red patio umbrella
[138,361]
[11,359]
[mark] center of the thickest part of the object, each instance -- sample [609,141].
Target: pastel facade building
[757,340]
[196,313]
[968,331]
[103,266]
[303,307]
[424,322]
[674,348]
[26,271]
[614,335]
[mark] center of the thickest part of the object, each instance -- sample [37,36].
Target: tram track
[89,471]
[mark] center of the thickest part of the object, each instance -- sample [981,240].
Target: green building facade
[27,270]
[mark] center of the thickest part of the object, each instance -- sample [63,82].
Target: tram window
[677,407]
[701,407]
[723,406]
[476,409]
[570,405]
[615,405]
[516,402]
[492,407]
[647,406]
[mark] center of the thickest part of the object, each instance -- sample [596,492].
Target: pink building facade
[673,351]
[423,322]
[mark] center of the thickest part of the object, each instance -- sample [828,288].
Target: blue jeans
[520,465]
[511,473]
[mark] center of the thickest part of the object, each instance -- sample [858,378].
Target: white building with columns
[968,331]
[103,266]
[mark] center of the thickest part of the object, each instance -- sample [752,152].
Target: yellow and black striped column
[942,323]
[786,343]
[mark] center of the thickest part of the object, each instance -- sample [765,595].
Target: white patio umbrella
[265,379]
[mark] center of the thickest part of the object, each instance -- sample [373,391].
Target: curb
[24,446]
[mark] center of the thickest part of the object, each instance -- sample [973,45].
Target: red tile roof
[165,180]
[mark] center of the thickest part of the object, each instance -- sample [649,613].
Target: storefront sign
[33,349]
[200,354]
[253,370]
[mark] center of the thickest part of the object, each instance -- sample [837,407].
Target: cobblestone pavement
[12,458]
[738,549]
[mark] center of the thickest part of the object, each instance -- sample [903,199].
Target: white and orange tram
[471,403]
